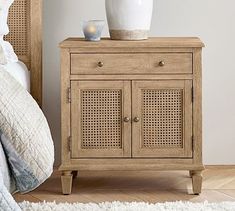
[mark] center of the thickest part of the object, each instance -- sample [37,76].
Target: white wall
[212,20]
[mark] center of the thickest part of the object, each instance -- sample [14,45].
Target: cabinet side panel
[197,106]
[188,118]
[65,106]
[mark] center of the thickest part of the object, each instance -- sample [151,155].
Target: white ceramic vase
[129,19]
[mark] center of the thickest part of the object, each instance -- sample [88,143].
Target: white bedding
[26,136]
[26,146]
[20,72]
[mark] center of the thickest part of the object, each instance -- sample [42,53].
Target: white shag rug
[134,206]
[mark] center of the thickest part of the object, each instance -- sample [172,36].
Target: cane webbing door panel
[98,109]
[164,118]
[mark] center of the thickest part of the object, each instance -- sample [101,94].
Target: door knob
[100,64]
[126,119]
[136,119]
[161,63]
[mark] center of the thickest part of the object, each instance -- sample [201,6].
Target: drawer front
[158,63]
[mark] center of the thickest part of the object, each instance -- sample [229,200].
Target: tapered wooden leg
[66,181]
[197,182]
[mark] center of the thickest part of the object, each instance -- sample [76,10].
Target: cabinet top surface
[153,42]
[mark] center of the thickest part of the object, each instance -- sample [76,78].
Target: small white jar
[129,19]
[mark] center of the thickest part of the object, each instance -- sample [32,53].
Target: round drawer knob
[136,119]
[126,119]
[161,63]
[100,64]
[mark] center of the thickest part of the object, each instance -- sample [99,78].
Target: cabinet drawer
[158,63]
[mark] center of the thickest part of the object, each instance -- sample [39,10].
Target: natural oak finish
[141,186]
[175,99]
[131,63]
[25,24]
[154,42]
[197,181]
[131,106]
[66,181]
[113,136]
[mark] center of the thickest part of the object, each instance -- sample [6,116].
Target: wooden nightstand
[131,105]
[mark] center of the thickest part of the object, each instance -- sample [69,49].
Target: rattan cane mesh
[18,21]
[101,119]
[162,112]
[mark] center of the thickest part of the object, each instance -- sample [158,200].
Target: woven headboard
[25,23]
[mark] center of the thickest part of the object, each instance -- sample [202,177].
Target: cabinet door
[99,127]
[162,118]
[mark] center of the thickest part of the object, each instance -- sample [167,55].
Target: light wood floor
[218,185]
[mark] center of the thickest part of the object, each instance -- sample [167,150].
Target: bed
[25,21]
[26,145]
[25,24]
[20,72]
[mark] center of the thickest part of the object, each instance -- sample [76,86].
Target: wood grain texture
[154,42]
[197,182]
[65,109]
[132,77]
[160,82]
[174,143]
[66,181]
[25,23]
[88,64]
[66,177]
[111,136]
[127,49]
[197,105]
[36,50]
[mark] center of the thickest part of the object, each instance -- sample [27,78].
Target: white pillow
[3,59]
[20,72]
[4,9]
[7,54]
